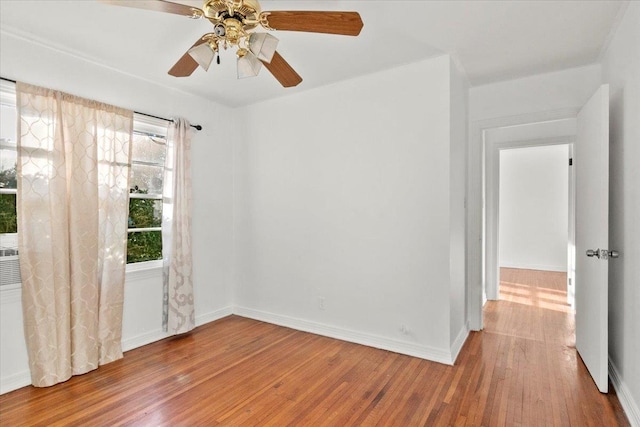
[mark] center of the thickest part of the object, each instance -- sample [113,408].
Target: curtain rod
[197,127]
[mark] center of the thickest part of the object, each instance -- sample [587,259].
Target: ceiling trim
[29,38]
[613,31]
[455,58]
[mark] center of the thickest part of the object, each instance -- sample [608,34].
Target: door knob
[593,253]
[602,253]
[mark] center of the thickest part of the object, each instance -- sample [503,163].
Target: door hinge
[570,161]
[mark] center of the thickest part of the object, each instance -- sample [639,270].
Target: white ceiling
[489,40]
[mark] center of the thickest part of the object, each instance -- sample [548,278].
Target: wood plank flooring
[522,370]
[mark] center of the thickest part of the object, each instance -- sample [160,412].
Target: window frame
[153,128]
[8,99]
[9,241]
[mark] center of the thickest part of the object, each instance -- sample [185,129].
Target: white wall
[212,192]
[457,210]
[343,210]
[566,89]
[621,69]
[533,226]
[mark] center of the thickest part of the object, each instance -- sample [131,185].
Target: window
[144,242]
[8,167]
[145,198]
[9,266]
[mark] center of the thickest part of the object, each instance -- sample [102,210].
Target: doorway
[591,129]
[539,155]
[530,196]
[535,226]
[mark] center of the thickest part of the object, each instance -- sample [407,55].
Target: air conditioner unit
[9,267]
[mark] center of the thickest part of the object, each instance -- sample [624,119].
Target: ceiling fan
[234,26]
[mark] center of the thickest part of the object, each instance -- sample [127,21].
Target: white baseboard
[540,267]
[629,405]
[457,344]
[15,381]
[214,315]
[159,334]
[396,346]
[143,339]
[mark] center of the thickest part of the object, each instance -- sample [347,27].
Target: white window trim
[157,128]
[143,270]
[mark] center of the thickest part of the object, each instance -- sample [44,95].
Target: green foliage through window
[144,213]
[8,178]
[144,246]
[8,217]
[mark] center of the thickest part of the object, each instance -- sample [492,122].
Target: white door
[592,235]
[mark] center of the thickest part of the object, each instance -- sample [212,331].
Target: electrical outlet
[321,303]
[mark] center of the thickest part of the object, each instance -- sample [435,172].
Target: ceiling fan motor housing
[246,12]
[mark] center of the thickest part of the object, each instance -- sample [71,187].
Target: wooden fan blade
[158,6]
[186,65]
[282,71]
[344,23]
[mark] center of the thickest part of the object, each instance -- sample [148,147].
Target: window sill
[10,294]
[136,271]
[144,270]
[10,287]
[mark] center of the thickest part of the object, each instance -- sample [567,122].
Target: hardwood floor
[522,370]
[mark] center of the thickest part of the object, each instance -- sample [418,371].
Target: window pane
[7,147]
[146,179]
[144,213]
[147,171]
[8,122]
[144,246]
[147,149]
[8,169]
[8,217]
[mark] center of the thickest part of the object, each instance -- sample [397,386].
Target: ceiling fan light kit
[203,54]
[263,46]
[234,22]
[248,64]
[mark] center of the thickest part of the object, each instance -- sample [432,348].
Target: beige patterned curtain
[178,308]
[73,180]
